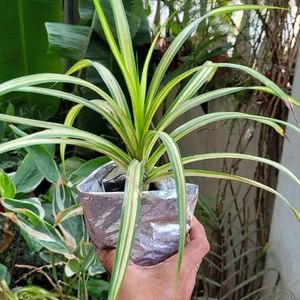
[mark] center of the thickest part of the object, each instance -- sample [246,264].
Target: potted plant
[132,118]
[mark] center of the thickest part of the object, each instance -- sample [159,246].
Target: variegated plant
[135,126]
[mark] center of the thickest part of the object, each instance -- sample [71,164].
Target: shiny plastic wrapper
[157,232]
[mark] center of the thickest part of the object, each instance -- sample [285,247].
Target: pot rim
[82,193]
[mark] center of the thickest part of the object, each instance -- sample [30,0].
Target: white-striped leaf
[18,205]
[183,36]
[124,38]
[226,176]
[129,216]
[41,231]
[204,120]
[110,111]
[178,174]
[131,84]
[172,114]
[219,175]
[208,156]
[42,159]
[72,211]
[46,137]
[108,78]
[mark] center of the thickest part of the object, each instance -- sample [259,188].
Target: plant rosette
[145,141]
[157,231]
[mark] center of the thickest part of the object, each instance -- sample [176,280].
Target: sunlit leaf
[27,176]
[41,158]
[7,187]
[179,177]
[18,205]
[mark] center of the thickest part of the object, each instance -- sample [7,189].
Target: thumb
[107,259]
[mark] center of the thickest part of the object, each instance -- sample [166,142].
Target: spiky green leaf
[129,216]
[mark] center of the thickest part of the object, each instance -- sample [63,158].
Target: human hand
[160,281]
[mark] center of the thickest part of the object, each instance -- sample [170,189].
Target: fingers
[195,249]
[107,259]
[196,230]
[198,246]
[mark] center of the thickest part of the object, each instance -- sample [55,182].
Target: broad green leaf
[96,286]
[72,211]
[50,258]
[89,259]
[86,11]
[72,164]
[18,205]
[129,216]
[3,271]
[41,231]
[27,176]
[63,198]
[178,174]
[41,158]
[24,49]
[64,211]
[72,267]
[68,40]
[86,169]
[32,243]
[7,187]
[96,268]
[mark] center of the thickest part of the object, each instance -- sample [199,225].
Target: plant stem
[54,273]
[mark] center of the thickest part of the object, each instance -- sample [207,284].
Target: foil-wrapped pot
[157,232]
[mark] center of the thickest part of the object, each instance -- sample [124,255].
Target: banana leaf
[23,51]
[75,41]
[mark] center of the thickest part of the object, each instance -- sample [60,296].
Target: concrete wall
[284,251]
